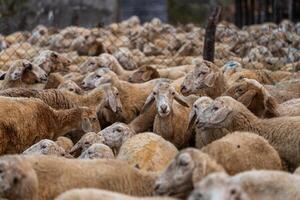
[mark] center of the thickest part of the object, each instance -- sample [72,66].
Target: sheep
[216,186]
[147,73]
[259,101]
[281,132]
[188,168]
[30,120]
[206,77]
[65,143]
[97,151]
[46,147]
[169,114]
[51,61]
[110,108]
[242,151]
[256,184]
[71,86]
[147,151]
[22,73]
[85,142]
[203,136]
[54,80]
[57,175]
[96,194]
[132,104]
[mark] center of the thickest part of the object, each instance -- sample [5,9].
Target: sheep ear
[247,98]
[199,172]
[210,79]
[112,101]
[2,76]
[86,125]
[192,119]
[76,150]
[180,99]
[149,101]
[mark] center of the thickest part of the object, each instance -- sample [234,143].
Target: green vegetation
[10,7]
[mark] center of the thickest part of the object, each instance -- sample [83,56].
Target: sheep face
[176,180]
[85,142]
[71,86]
[97,151]
[45,147]
[125,58]
[144,74]
[89,120]
[202,77]
[90,65]
[26,71]
[17,179]
[99,77]
[164,94]
[218,186]
[116,134]
[219,114]
[112,99]
[197,111]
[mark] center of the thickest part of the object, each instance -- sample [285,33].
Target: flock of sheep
[132,111]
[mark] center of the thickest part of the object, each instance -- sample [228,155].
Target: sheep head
[46,147]
[202,77]
[116,134]
[90,65]
[125,58]
[99,77]
[89,120]
[97,151]
[216,186]
[197,111]
[18,179]
[187,168]
[27,72]
[164,94]
[221,113]
[71,86]
[85,142]
[144,74]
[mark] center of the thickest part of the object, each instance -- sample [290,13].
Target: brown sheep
[188,168]
[30,120]
[281,132]
[261,184]
[96,194]
[54,80]
[23,73]
[169,114]
[57,175]
[242,151]
[65,143]
[71,86]
[259,101]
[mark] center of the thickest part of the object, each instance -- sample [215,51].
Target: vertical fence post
[210,33]
[238,13]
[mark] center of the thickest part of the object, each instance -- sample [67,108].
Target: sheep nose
[183,89]
[163,107]
[157,187]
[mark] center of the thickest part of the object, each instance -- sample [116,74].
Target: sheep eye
[173,93]
[92,63]
[54,55]
[154,93]
[238,90]
[198,196]
[71,89]
[183,163]
[232,191]
[43,146]
[117,94]
[98,76]
[119,130]
[87,143]
[215,108]
[195,106]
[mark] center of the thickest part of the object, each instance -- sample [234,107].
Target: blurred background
[16,15]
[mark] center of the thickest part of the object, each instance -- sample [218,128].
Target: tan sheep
[147,151]
[94,194]
[97,151]
[125,58]
[71,86]
[259,101]
[169,114]
[65,143]
[57,175]
[54,80]
[46,147]
[242,151]
[30,120]
[188,168]
[261,184]
[203,136]
[281,132]
[23,73]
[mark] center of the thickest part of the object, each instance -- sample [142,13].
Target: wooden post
[238,13]
[210,33]
[252,11]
